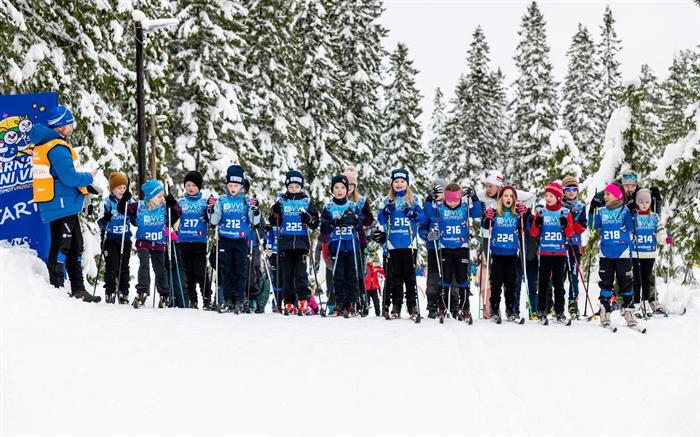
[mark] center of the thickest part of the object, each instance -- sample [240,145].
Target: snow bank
[67,367]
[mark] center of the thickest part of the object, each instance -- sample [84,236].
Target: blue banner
[20,222]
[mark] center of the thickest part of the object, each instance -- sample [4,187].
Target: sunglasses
[571,189]
[632,176]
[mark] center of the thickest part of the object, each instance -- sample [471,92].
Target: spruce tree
[678,93]
[498,155]
[610,75]
[438,145]
[535,107]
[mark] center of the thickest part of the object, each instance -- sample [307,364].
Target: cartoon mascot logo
[14,138]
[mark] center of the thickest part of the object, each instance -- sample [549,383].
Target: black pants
[374,296]
[113,257]
[503,274]
[455,269]
[551,267]
[276,280]
[432,283]
[345,280]
[643,269]
[65,252]
[294,279]
[402,272]
[157,259]
[233,266]
[253,275]
[193,266]
[610,269]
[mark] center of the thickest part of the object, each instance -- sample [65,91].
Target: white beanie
[493,177]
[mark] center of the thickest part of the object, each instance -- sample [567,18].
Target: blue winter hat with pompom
[151,188]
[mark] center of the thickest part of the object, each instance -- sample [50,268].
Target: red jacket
[372,278]
[568,229]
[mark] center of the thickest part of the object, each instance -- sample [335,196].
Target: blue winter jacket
[67,199]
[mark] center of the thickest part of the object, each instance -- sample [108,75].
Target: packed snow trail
[69,367]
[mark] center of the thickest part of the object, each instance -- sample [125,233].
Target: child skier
[116,230]
[234,215]
[505,221]
[340,220]
[452,237]
[192,240]
[399,215]
[294,214]
[433,289]
[578,212]
[151,217]
[648,232]
[615,223]
[374,271]
[554,225]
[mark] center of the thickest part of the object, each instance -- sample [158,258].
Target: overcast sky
[438,34]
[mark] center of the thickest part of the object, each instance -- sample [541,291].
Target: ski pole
[121,253]
[413,260]
[217,298]
[523,255]
[639,265]
[99,262]
[314,266]
[266,266]
[438,259]
[250,273]
[488,262]
[354,259]
[170,261]
[578,269]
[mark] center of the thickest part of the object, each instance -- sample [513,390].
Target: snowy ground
[72,368]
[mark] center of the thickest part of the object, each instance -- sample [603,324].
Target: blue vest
[116,227]
[614,232]
[646,225]
[342,234]
[291,220]
[552,238]
[151,223]
[402,231]
[505,237]
[454,229]
[234,217]
[193,227]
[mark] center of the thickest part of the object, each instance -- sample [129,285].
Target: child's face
[508,199]
[550,199]
[399,185]
[339,191]
[234,188]
[452,203]
[644,205]
[159,199]
[119,191]
[294,188]
[491,190]
[570,193]
[191,188]
[608,197]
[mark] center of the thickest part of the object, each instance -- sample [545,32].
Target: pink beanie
[615,191]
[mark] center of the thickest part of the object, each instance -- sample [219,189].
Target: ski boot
[85,296]
[350,312]
[237,308]
[466,316]
[206,304]
[496,317]
[533,316]
[110,298]
[629,317]
[164,301]
[395,311]
[573,309]
[614,306]
[561,318]
[225,306]
[304,309]
[123,298]
[543,317]
[432,313]
[289,309]
[140,299]
[253,306]
[657,308]
[605,312]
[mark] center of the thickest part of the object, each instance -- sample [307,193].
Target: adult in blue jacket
[59,191]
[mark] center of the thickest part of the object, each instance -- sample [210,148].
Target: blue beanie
[60,116]
[151,188]
[294,176]
[400,173]
[235,174]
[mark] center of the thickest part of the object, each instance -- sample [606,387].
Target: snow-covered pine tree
[402,133]
[359,54]
[678,93]
[610,76]
[270,100]
[316,78]
[437,139]
[208,55]
[581,99]
[562,156]
[498,154]
[535,106]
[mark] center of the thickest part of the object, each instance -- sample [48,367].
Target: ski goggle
[571,189]
[630,176]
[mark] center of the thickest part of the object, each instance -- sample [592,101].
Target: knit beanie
[400,173]
[643,195]
[569,181]
[117,178]
[512,189]
[351,173]
[59,116]
[339,179]
[151,188]
[294,176]
[555,189]
[235,174]
[195,177]
[493,177]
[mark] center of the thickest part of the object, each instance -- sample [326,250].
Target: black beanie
[294,176]
[339,178]
[235,174]
[195,177]
[400,173]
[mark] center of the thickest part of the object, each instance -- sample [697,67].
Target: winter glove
[410,213]
[468,192]
[211,203]
[520,208]
[253,203]
[388,209]
[92,190]
[123,202]
[539,221]
[597,202]
[433,235]
[655,194]
[170,200]
[437,190]
[350,219]
[277,209]
[490,213]
[305,217]
[268,227]
[378,236]
[563,221]
[107,217]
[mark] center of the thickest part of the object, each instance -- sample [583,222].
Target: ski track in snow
[69,367]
